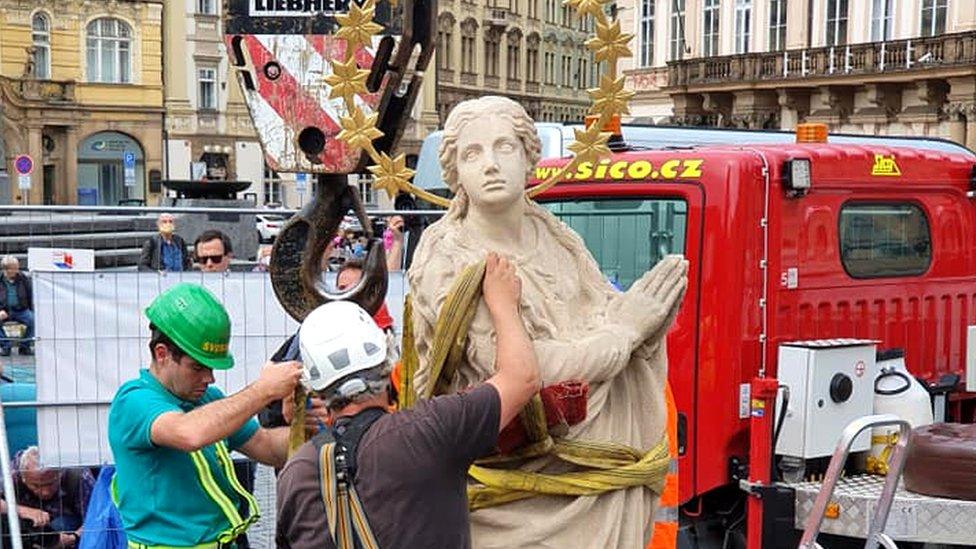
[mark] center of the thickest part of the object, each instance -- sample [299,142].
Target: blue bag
[103,525]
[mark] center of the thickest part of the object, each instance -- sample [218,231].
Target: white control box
[831,384]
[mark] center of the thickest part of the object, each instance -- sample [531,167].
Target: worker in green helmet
[171,431]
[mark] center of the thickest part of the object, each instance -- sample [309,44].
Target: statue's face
[491,163]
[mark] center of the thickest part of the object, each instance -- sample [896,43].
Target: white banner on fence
[60,259]
[92,336]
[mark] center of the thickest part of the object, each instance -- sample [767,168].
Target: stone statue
[30,64]
[581,327]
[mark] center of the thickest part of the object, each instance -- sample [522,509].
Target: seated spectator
[165,251]
[16,305]
[212,251]
[50,502]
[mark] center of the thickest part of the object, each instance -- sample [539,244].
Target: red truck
[786,242]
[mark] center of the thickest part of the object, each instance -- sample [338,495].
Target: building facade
[530,50]
[209,133]
[81,94]
[885,67]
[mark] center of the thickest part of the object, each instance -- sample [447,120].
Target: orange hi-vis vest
[665,533]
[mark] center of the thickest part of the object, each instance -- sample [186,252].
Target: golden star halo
[359,130]
[391,174]
[610,96]
[357,27]
[609,44]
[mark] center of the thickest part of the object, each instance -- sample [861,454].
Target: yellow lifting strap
[296,431]
[607,466]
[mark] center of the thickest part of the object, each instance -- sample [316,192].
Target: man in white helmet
[396,480]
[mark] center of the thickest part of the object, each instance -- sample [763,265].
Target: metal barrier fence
[90,336]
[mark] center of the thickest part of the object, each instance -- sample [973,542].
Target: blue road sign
[129,159]
[24,164]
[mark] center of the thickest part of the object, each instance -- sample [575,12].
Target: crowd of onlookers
[212,251]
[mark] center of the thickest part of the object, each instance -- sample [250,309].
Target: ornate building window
[208,7]
[836,22]
[492,43]
[934,17]
[647,33]
[777,25]
[532,58]
[550,68]
[743,25]
[677,31]
[109,51]
[41,42]
[468,30]
[445,41]
[882,19]
[514,53]
[207,88]
[710,17]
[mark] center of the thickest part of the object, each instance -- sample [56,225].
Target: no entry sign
[24,164]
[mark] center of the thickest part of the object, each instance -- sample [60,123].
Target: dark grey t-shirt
[411,477]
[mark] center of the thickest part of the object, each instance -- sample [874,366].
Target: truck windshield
[626,236]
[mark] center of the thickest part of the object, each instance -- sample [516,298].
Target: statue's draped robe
[564,303]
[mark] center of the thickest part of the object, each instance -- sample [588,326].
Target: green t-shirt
[159,493]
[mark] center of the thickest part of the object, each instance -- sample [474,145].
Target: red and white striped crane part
[298,98]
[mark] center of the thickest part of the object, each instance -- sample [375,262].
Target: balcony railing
[513,84]
[948,50]
[532,87]
[54,91]
[491,81]
[469,79]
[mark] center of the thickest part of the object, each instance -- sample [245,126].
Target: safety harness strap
[344,513]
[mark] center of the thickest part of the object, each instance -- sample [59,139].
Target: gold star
[392,174]
[347,79]
[609,44]
[610,96]
[590,144]
[357,27]
[583,7]
[359,130]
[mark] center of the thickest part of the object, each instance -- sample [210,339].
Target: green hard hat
[196,322]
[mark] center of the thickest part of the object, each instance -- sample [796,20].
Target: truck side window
[884,240]
[626,237]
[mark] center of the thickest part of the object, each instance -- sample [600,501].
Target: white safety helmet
[338,339]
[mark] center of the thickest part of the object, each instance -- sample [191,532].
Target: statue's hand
[651,304]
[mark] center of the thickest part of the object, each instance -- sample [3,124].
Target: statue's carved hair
[498,108]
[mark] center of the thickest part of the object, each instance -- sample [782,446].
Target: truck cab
[786,242]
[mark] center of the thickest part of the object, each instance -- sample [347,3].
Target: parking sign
[129,167]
